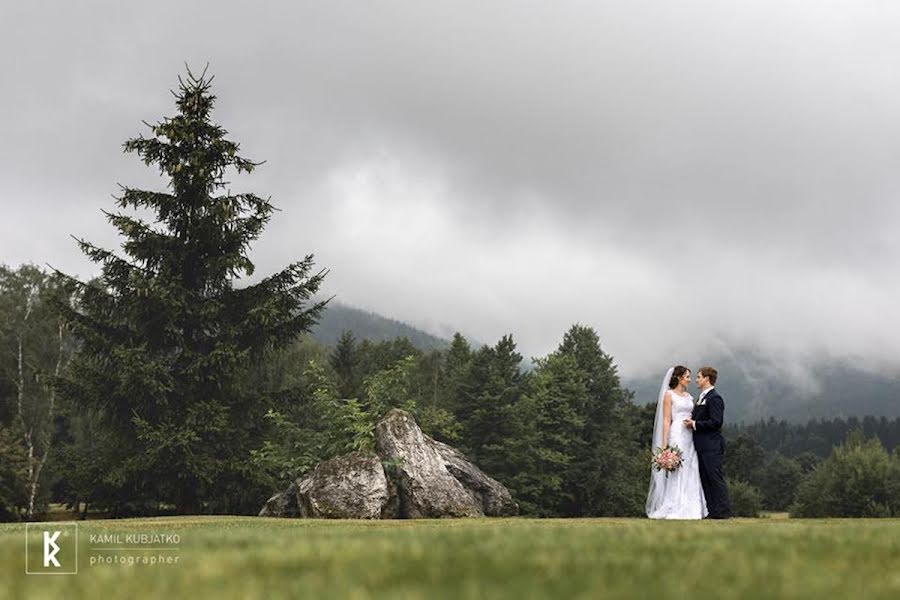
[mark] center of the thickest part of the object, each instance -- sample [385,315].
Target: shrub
[778,482]
[859,479]
[746,500]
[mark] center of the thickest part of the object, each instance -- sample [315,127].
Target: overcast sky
[683,176]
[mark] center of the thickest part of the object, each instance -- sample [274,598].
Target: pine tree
[455,371]
[490,397]
[165,332]
[607,474]
[344,362]
[548,436]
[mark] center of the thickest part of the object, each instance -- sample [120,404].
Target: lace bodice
[682,406]
[679,435]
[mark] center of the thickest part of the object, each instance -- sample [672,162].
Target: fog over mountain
[698,181]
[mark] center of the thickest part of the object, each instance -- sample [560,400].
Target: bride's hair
[677,374]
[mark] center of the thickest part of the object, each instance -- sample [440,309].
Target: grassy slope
[245,557]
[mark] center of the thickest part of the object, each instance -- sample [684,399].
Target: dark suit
[710,445]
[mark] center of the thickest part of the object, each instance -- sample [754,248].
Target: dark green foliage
[427,379]
[344,363]
[549,435]
[746,500]
[565,437]
[609,473]
[429,387]
[456,376]
[13,474]
[817,436]
[439,423]
[374,357]
[86,448]
[489,397]
[407,385]
[35,348]
[859,479]
[315,424]
[642,417]
[807,461]
[285,368]
[390,388]
[774,476]
[318,423]
[169,343]
[744,458]
[778,482]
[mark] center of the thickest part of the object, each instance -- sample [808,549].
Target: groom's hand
[689,423]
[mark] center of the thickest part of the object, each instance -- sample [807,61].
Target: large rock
[351,486]
[282,504]
[412,476]
[426,487]
[491,495]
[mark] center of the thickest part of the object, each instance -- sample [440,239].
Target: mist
[687,178]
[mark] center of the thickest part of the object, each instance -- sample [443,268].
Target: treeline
[786,468]
[564,436]
[818,436]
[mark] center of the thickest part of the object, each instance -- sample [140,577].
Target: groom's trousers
[712,478]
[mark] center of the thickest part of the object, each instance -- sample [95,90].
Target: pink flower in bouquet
[667,459]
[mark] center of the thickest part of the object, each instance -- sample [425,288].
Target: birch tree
[35,349]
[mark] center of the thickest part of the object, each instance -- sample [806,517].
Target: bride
[680,495]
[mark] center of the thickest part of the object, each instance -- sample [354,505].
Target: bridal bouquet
[667,459]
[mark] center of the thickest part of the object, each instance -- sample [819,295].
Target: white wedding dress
[680,494]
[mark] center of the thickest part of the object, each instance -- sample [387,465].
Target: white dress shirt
[700,401]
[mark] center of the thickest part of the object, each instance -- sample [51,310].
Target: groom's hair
[711,373]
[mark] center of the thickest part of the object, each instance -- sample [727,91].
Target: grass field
[247,557]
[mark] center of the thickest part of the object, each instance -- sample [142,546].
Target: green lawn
[246,557]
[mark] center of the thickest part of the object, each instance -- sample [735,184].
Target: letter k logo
[50,556]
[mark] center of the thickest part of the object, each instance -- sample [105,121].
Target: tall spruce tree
[344,362]
[454,373]
[607,476]
[548,436]
[490,398]
[166,334]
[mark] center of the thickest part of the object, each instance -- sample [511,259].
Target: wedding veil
[658,478]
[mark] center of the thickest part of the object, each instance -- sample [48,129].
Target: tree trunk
[28,431]
[20,384]
[45,447]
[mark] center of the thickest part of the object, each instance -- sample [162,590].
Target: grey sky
[683,176]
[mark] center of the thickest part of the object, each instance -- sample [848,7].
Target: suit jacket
[708,418]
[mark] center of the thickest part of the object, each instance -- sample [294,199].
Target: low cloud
[686,178]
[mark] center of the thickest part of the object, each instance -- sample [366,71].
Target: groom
[706,421]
